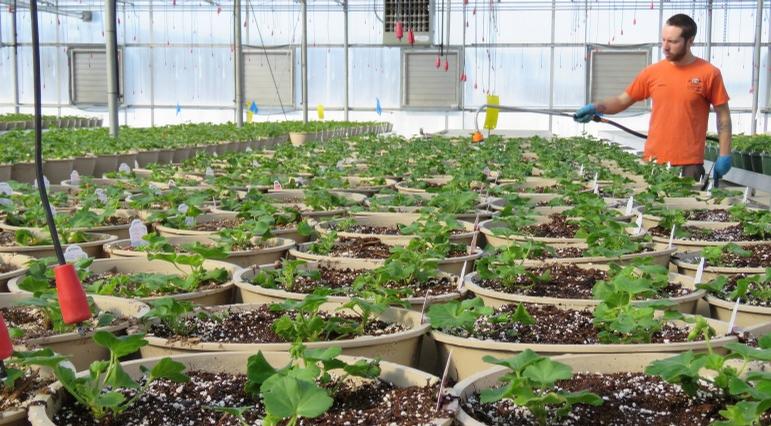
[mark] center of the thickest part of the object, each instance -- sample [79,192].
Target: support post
[15,59]
[551,64]
[237,65]
[756,66]
[708,49]
[304,60]
[111,41]
[347,62]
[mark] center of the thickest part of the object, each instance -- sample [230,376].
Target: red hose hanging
[72,298]
[6,348]
[399,30]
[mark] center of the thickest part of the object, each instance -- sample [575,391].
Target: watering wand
[72,298]
[478,137]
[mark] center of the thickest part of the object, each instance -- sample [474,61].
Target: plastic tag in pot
[137,230]
[74,253]
[75,178]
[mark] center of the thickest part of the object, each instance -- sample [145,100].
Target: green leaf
[452,315]
[122,345]
[747,352]
[546,372]
[167,368]
[522,316]
[516,363]
[12,375]
[288,397]
[258,370]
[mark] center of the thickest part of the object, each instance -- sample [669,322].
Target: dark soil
[760,258]
[251,326]
[34,323]
[563,281]
[540,190]
[554,326]
[168,403]
[368,248]
[116,220]
[8,239]
[364,229]
[134,284]
[216,225]
[5,267]
[758,293]
[629,399]
[708,215]
[24,390]
[558,227]
[341,281]
[729,234]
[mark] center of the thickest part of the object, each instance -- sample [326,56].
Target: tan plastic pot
[596,363]
[23,172]
[105,164]
[84,165]
[487,226]
[702,198]
[685,304]
[746,315]
[451,265]
[6,171]
[233,363]
[93,247]
[82,349]
[529,183]
[18,262]
[650,221]
[99,182]
[165,156]
[120,231]
[147,157]
[688,263]
[220,295]
[301,138]
[405,188]
[467,353]
[275,249]
[363,185]
[695,245]
[401,348]
[57,170]
[167,231]
[391,220]
[251,293]
[658,257]
[290,197]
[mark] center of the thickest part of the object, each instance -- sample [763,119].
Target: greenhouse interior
[385,212]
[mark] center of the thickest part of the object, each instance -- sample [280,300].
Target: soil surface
[6,267]
[24,389]
[216,225]
[133,284]
[707,215]
[558,227]
[760,257]
[341,280]
[729,234]
[368,248]
[540,190]
[34,323]
[553,326]
[169,403]
[252,326]
[629,399]
[563,281]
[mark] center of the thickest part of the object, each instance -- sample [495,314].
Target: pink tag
[276,185]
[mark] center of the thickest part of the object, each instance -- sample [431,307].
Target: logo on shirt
[695,84]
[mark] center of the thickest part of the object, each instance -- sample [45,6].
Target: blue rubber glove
[722,166]
[585,113]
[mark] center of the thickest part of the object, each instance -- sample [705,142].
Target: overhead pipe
[237,63]
[304,60]
[111,48]
[756,67]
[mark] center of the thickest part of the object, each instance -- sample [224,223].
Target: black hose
[39,134]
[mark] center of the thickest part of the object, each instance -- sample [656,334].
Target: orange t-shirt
[681,98]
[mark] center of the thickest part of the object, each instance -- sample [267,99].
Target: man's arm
[615,104]
[724,128]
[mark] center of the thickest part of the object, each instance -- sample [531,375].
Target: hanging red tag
[411,37]
[72,298]
[399,30]
[438,62]
[6,347]
[446,65]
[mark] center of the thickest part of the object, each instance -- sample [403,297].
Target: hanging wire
[267,58]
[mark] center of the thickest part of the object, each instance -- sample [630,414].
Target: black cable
[39,134]
[267,59]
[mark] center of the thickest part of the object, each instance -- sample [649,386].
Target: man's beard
[676,57]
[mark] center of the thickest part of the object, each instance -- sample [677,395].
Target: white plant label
[681,174]
[75,178]
[639,223]
[6,202]
[209,172]
[190,221]
[153,187]
[5,189]
[594,180]
[746,195]
[46,182]
[581,171]
[137,230]
[215,154]
[444,378]
[710,185]
[101,195]
[53,210]
[669,165]
[248,149]
[425,304]
[136,164]
[672,236]
[172,184]
[699,272]
[732,321]
[629,205]
[74,253]
[277,185]
[486,171]
[701,179]
[124,168]
[255,163]
[183,208]
[340,164]
[462,275]
[596,189]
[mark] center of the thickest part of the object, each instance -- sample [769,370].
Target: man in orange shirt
[682,88]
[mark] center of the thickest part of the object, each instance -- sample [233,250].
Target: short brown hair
[685,23]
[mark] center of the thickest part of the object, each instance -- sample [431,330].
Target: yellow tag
[249,116]
[320,111]
[491,115]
